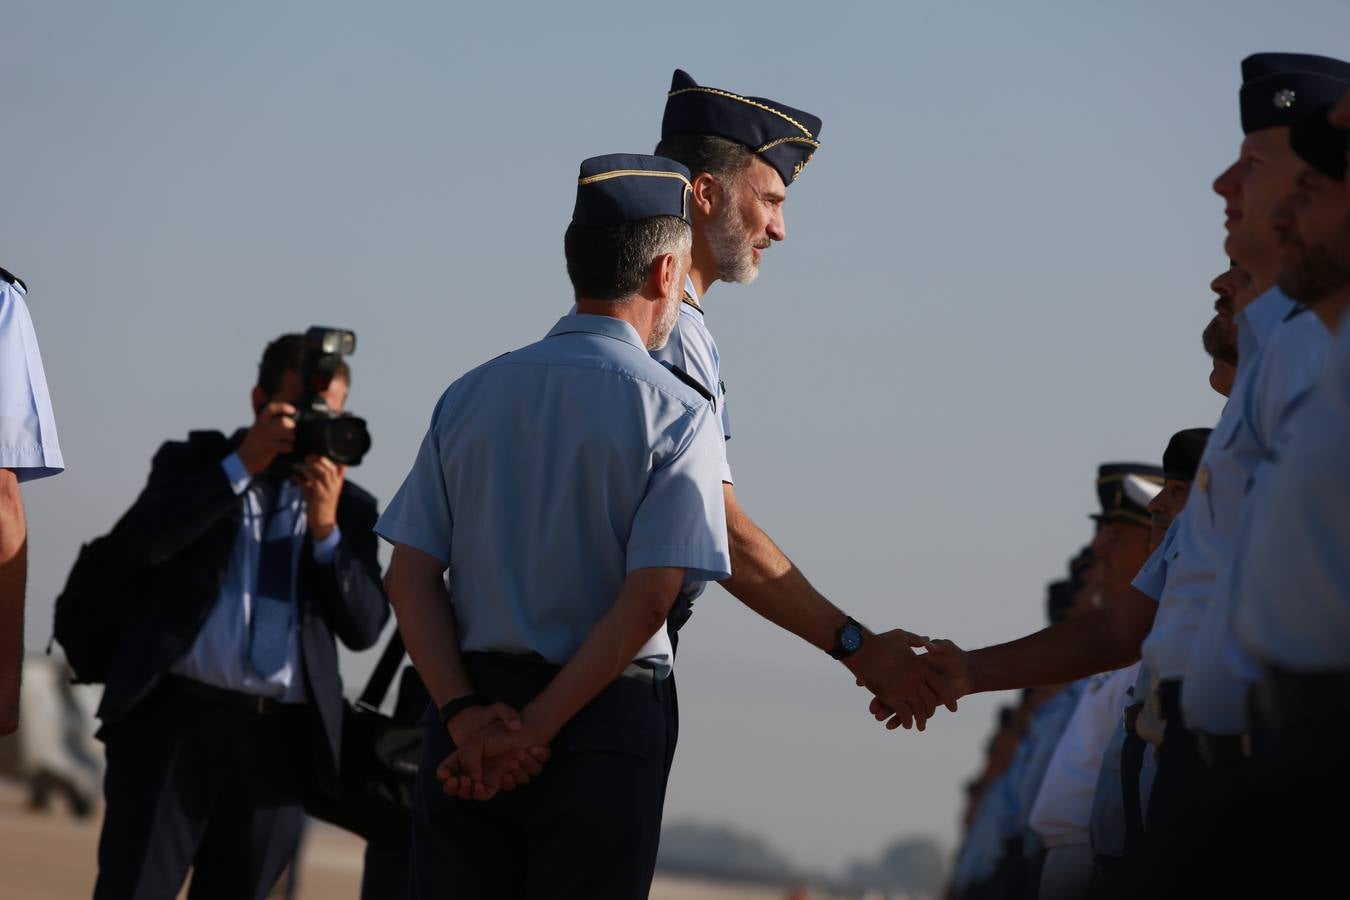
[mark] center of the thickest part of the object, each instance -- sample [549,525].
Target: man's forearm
[426,620]
[765,580]
[1097,641]
[610,646]
[13,580]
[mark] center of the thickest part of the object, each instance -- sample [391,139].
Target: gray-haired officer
[585,479]
[28,450]
[743,153]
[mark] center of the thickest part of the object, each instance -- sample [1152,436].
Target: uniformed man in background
[570,489]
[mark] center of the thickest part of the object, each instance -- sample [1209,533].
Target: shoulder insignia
[690,380]
[10,278]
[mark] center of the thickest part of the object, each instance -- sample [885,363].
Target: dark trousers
[587,827]
[194,784]
[1194,842]
[387,872]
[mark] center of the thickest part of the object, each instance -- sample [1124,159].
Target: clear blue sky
[995,278]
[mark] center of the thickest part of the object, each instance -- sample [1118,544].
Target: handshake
[499,749]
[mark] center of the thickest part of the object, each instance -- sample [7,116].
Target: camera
[318,430]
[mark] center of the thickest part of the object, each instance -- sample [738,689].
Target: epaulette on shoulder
[11,278]
[1298,310]
[690,380]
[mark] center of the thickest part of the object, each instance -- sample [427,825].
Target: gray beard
[731,250]
[666,324]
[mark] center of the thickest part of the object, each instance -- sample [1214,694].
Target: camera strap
[385,669]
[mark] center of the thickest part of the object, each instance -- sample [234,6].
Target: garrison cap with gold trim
[1125,490]
[628,187]
[783,137]
[1278,88]
[1320,144]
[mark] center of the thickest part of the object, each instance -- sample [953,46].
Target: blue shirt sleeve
[681,522]
[326,549]
[28,441]
[419,515]
[238,476]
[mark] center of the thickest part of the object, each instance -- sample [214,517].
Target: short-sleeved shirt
[691,347]
[1281,378]
[1205,529]
[1063,809]
[549,474]
[28,442]
[1292,596]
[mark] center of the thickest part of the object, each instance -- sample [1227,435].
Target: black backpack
[94,609]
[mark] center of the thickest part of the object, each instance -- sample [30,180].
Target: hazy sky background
[995,278]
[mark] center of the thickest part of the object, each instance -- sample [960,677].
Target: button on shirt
[28,443]
[1280,379]
[219,655]
[549,474]
[1205,529]
[1292,598]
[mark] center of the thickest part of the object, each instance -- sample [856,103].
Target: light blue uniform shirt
[1292,598]
[989,830]
[1205,529]
[1286,368]
[691,347]
[28,443]
[568,464]
[219,655]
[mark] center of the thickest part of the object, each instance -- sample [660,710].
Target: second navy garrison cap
[1279,88]
[1320,144]
[628,187]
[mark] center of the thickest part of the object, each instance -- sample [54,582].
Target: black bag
[92,612]
[373,793]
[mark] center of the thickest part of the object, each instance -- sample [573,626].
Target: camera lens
[346,439]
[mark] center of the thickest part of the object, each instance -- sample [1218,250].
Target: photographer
[223,698]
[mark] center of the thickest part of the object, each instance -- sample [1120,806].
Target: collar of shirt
[606,326]
[689,289]
[1255,323]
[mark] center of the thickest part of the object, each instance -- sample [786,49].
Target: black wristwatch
[458,705]
[848,639]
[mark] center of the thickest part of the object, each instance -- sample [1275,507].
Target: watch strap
[458,705]
[839,651]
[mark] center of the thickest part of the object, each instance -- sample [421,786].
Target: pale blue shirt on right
[1292,602]
[549,474]
[28,443]
[1205,529]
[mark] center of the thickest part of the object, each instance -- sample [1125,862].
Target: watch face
[850,638]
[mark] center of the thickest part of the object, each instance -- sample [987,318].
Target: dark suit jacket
[182,528]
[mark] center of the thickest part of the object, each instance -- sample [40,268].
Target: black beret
[1278,88]
[627,187]
[1182,456]
[782,136]
[1125,490]
[1059,596]
[1321,144]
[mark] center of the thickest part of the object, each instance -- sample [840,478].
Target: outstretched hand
[945,663]
[911,691]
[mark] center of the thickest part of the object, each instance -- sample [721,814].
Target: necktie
[269,636]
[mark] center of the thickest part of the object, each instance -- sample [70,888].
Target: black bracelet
[458,705]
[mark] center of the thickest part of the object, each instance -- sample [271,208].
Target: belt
[635,670]
[1290,698]
[1222,749]
[263,706]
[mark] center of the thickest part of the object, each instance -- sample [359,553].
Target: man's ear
[661,279]
[707,195]
[259,400]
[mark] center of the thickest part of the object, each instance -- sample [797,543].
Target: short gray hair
[611,262]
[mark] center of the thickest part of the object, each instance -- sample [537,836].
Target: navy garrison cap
[627,187]
[1059,597]
[1278,88]
[782,136]
[1182,456]
[1125,490]
[1321,144]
